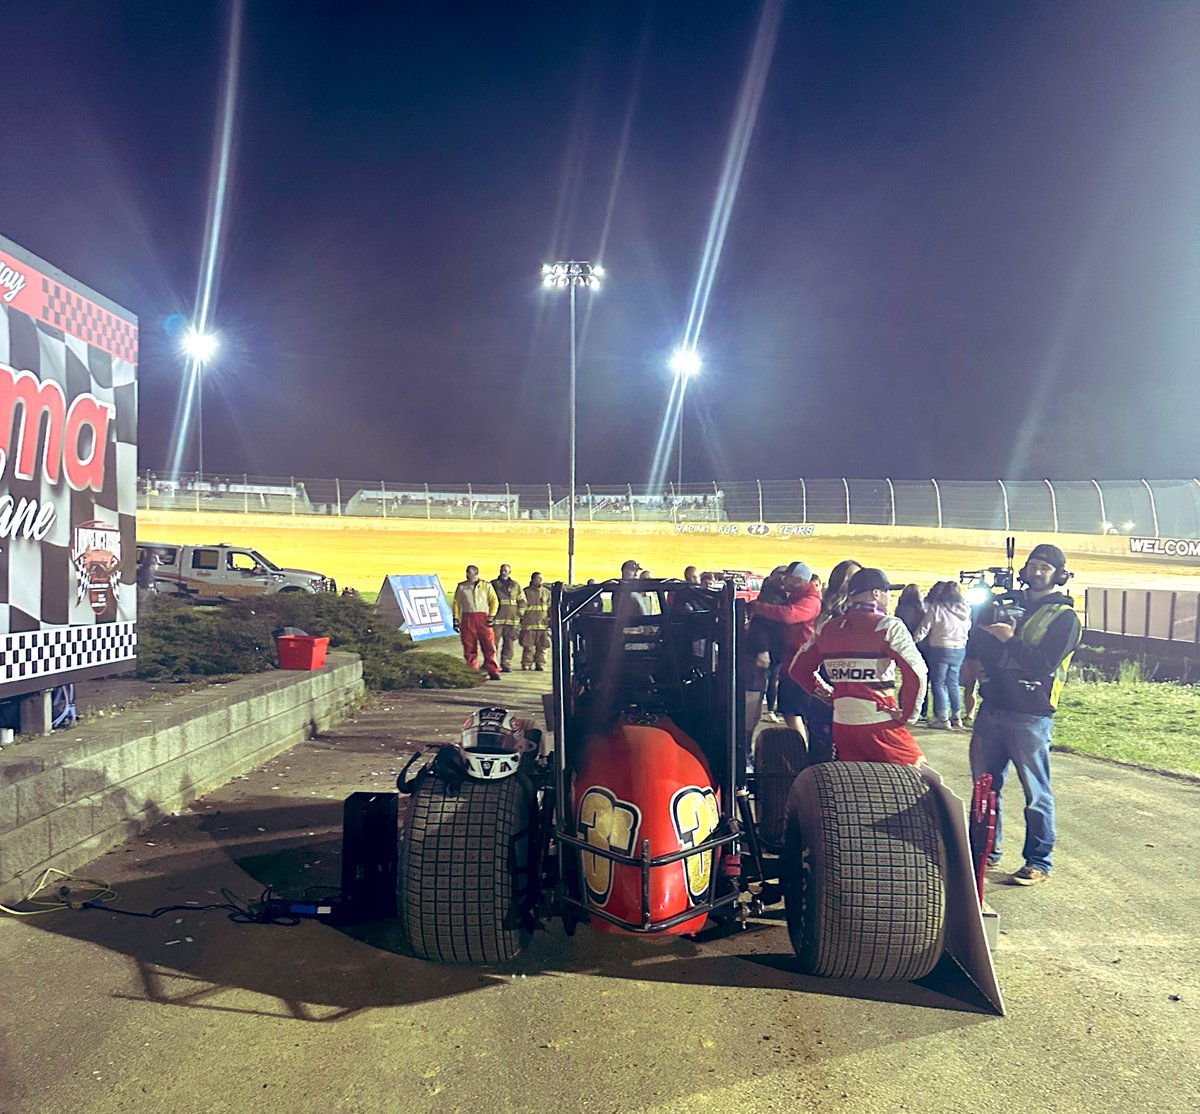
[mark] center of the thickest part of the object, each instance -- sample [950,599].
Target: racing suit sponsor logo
[608,823]
[1165,547]
[695,814]
[852,670]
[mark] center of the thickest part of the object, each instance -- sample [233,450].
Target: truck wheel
[864,870]
[779,755]
[467,870]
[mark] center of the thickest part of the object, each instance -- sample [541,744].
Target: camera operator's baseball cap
[798,569]
[1051,554]
[867,580]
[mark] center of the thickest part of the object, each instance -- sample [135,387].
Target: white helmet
[493,740]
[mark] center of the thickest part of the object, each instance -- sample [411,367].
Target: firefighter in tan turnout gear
[535,625]
[507,625]
[474,609]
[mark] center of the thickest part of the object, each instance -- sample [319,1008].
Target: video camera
[993,602]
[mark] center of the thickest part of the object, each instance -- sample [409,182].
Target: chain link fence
[1147,508]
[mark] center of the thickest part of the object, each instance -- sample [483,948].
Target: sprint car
[647,816]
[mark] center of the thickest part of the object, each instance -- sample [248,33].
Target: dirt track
[361,552]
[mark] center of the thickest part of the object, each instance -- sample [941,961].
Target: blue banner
[418,606]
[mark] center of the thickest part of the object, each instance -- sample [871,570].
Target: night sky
[965,243]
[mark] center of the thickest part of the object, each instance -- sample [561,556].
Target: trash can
[301,651]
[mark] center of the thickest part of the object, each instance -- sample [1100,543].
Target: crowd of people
[851,675]
[852,678]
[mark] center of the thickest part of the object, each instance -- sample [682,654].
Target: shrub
[178,639]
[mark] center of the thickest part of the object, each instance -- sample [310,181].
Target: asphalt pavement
[191,1012]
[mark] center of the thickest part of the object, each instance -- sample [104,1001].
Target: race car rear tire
[779,755]
[864,869]
[467,869]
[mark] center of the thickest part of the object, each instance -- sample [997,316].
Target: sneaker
[493,676]
[505,669]
[956,723]
[774,717]
[939,724]
[1030,876]
[540,668]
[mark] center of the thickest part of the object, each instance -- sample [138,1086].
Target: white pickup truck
[223,572]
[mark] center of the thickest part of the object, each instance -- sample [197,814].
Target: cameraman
[1023,662]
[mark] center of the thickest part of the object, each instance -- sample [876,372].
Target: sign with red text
[68,478]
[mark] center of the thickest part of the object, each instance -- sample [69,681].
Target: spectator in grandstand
[861,650]
[474,609]
[535,624]
[789,626]
[1023,666]
[946,623]
[510,600]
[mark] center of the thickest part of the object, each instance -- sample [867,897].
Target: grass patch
[1145,723]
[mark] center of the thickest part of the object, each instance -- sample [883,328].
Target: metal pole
[571,435]
[679,471]
[337,488]
[937,491]
[1153,508]
[200,417]
[892,500]
[847,487]
[1004,492]
[428,504]
[760,502]
[803,501]
[1103,516]
[508,502]
[1053,505]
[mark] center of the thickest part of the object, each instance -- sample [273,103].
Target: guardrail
[1146,508]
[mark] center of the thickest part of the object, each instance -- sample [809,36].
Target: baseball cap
[799,569]
[867,580]
[1051,554]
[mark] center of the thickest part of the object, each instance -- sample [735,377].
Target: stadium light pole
[570,275]
[685,362]
[200,347]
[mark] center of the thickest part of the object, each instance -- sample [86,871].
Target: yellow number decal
[608,823]
[696,816]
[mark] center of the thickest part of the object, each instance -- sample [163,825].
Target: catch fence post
[1153,508]
[760,501]
[937,491]
[803,502]
[847,487]
[337,494]
[383,498]
[293,480]
[245,494]
[591,503]
[428,504]
[629,490]
[1004,493]
[508,502]
[470,503]
[550,500]
[892,499]
[1103,516]
[1053,505]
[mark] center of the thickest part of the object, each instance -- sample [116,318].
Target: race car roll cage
[681,662]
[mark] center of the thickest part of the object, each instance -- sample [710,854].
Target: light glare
[686,362]
[200,346]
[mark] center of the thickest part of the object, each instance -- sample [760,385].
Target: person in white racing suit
[863,651]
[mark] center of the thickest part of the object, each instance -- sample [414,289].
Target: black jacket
[1018,676]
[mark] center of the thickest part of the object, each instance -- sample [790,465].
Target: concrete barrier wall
[69,797]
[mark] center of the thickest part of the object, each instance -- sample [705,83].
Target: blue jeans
[944,664]
[1001,737]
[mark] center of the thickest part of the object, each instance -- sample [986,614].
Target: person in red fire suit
[474,610]
[862,651]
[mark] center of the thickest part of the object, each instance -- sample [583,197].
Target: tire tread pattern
[464,870]
[872,873]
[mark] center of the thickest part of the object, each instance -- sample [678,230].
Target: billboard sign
[417,605]
[68,478]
